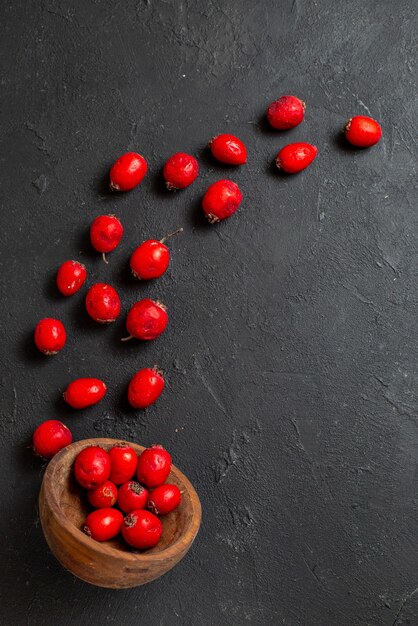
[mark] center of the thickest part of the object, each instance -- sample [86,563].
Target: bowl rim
[185,538]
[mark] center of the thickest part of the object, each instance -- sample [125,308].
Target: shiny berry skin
[221,200]
[92,467]
[146,320]
[127,172]
[131,496]
[154,465]
[84,392]
[145,388]
[106,233]
[123,461]
[50,336]
[164,499]
[362,131]
[180,171]
[103,496]
[142,529]
[150,260]
[103,303]
[103,524]
[50,437]
[296,157]
[228,149]
[70,277]
[286,112]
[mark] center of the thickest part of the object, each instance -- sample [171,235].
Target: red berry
[142,529]
[296,157]
[164,499]
[229,149]
[154,465]
[70,277]
[84,392]
[286,112]
[92,467]
[127,172]
[146,320]
[151,258]
[102,303]
[50,336]
[145,388]
[103,524]
[105,234]
[50,437]
[221,200]
[363,131]
[103,496]
[180,170]
[124,460]
[131,496]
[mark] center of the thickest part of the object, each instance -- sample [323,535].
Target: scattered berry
[146,320]
[296,157]
[221,200]
[363,131]
[50,437]
[92,467]
[145,388]
[286,112]
[164,499]
[142,529]
[103,303]
[180,170]
[50,336]
[131,496]
[105,234]
[151,258]
[84,392]
[127,172]
[70,277]
[154,465]
[103,496]
[124,460]
[103,524]
[228,149]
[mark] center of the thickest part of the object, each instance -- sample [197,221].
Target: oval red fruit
[50,437]
[164,499]
[106,233]
[228,149]
[150,260]
[123,460]
[127,172]
[50,336]
[103,303]
[145,388]
[103,496]
[362,131]
[154,465]
[221,200]
[180,171]
[131,496]
[92,467]
[103,524]
[296,157]
[70,277]
[146,319]
[142,529]
[84,392]
[286,112]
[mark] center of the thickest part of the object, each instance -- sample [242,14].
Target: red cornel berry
[103,496]
[105,234]
[142,529]
[362,131]
[145,388]
[286,112]
[221,200]
[50,336]
[151,258]
[296,157]
[146,320]
[127,172]
[124,461]
[92,467]
[228,149]
[70,277]
[103,524]
[154,465]
[180,171]
[131,496]
[102,303]
[84,392]
[50,437]
[164,499]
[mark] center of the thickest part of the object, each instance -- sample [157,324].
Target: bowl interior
[74,506]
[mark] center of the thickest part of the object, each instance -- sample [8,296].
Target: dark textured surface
[292,351]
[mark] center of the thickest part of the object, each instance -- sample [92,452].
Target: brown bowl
[63,508]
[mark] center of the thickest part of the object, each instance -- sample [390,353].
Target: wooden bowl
[63,507]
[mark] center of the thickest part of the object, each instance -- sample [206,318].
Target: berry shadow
[29,352]
[84,247]
[125,278]
[196,218]
[101,184]
[158,185]
[50,289]
[339,141]
[82,319]
[207,158]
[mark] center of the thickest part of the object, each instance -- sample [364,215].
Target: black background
[291,356]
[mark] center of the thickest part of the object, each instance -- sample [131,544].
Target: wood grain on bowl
[63,507]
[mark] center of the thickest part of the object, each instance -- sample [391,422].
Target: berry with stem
[105,234]
[221,200]
[128,171]
[151,258]
[145,387]
[146,320]
[142,529]
[131,496]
